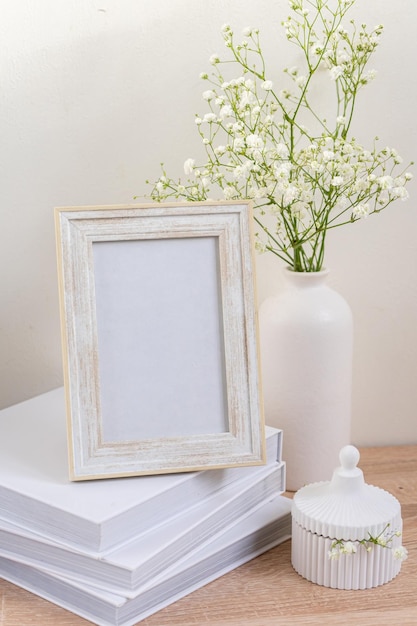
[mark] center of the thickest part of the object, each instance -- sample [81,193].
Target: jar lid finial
[349,458]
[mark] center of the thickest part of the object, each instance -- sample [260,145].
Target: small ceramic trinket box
[346,534]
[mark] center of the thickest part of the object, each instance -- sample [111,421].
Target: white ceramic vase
[306,338]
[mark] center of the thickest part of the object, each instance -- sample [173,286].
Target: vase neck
[305,280]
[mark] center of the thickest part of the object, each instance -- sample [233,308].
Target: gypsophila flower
[209,117]
[267,85]
[282,151]
[400,192]
[254,141]
[385,182]
[361,210]
[189,166]
[335,72]
[334,554]
[400,553]
[371,75]
[348,548]
[301,81]
[267,141]
[328,155]
[226,111]
[209,95]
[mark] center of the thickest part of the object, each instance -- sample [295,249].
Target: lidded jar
[346,534]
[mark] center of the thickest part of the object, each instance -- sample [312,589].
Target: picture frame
[159,334]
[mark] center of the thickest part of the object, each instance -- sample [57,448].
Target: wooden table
[267,591]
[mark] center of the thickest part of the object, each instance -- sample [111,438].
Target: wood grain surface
[267,591]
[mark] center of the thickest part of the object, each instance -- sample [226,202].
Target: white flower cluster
[345,547]
[384,540]
[309,176]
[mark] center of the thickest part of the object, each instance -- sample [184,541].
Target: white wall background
[94,95]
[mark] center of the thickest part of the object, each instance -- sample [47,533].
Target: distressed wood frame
[79,233]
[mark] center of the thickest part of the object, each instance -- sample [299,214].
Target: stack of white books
[117,550]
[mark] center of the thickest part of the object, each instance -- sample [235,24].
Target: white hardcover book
[129,566]
[266,527]
[35,491]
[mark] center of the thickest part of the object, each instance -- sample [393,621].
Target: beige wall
[95,94]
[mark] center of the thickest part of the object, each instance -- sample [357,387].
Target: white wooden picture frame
[160,346]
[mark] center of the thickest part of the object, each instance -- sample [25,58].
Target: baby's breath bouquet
[264,139]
